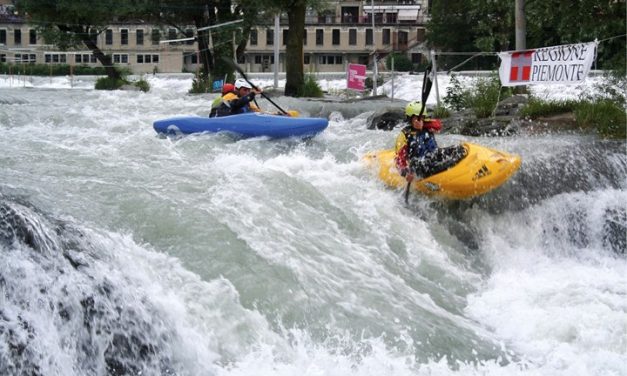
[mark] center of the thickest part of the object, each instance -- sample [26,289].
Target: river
[126,253]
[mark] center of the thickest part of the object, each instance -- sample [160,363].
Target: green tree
[452,29]
[580,21]
[70,23]
[294,67]
[488,26]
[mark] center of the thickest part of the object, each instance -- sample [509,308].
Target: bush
[482,98]
[486,95]
[106,83]
[454,97]
[401,62]
[368,82]
[201,84]
[311,88]
[143,85]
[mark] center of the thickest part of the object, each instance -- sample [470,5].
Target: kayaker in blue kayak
[416,144]
[240,100]
[226,88]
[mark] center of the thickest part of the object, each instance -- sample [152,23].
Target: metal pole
[277,29]
[434,72]
[392,99]
[374,53]
[521,25]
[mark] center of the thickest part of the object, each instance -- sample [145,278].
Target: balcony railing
[346,20]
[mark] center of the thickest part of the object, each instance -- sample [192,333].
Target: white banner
[566,64]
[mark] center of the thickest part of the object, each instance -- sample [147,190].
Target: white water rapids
[126,253]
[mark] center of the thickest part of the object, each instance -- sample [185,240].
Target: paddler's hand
[409,177]
[257,90]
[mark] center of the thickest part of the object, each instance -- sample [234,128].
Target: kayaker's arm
[400,159]
[238,103]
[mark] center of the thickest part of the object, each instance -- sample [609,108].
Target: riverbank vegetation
[601,110]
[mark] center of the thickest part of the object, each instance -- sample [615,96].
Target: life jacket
[413,145]
[232,105]
[224,105]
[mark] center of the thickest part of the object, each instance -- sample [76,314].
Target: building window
[253,37]
[32,36]
[319,37]
[17,36]
[149,58]
[3,37]
[189,33]
[55,58]
[84,58]
[391,17]
[3,58]
[269,37]
[335,37]
[93,35]
[25,58]
[257,59]
[352,37]
[305,37]
[285,36]
[306,59]
[120,58]
[330,59]
[403,38]
[109,37]
[124,36]
[155,36]
[368,37]
[386,36]
[139,37]
[171,33]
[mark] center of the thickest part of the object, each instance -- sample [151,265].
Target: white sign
[566,64]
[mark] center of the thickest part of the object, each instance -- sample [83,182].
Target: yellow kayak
[479,171]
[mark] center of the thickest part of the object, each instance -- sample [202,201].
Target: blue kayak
[245,125]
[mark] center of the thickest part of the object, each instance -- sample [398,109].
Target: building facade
[332,39]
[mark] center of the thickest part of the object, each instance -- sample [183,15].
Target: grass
[536,108]
[606,117]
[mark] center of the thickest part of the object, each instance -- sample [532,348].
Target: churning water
[126,253]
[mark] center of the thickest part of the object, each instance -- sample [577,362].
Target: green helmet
[414,109]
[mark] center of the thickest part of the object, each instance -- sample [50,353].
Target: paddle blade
[426,88]
[293,113]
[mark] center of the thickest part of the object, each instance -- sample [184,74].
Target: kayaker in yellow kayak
[416,145]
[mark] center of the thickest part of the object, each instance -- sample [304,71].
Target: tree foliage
[488,26]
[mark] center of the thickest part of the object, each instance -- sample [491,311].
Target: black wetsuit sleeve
[237,104]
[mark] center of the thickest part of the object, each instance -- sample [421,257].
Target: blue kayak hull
[244,125]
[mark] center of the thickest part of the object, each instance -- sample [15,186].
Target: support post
[374,54]
[434,72]
[277,29]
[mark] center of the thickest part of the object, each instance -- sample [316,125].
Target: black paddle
[426,89]
[239,70]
